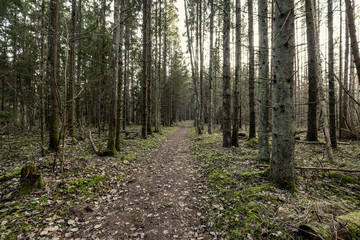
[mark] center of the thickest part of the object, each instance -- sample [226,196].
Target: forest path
[163,199]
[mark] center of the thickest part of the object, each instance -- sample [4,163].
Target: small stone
[74,229]
[71,222]
[165,232]
[97,226]
[44,232]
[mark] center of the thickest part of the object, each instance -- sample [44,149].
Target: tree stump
[30,178]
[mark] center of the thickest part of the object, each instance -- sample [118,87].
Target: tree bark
[282,168]
[312,129]
[236,116]
[111,148]
[252,121]
[352,32]
[332,113]
[263,117]
[42,79]
[211,59]
[226,76]
[52,74]
[71,102]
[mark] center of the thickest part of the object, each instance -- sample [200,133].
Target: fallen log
[320,143]
[318,168]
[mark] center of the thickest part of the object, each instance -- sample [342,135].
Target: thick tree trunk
[332,114]
[312,129]
[110,149]
[51,75]
[252,121]
[226,77]
[236,113]
[263,117]
[282,168]
[352,31]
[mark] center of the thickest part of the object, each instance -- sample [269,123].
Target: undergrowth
[244,204]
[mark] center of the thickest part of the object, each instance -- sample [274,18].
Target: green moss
[110,148]
[221,178]
[352,220]
[249,175]
[252,142]
[341,177]
[6,177]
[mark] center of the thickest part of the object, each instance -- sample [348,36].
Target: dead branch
[320,143]
[96,150]
[318,168]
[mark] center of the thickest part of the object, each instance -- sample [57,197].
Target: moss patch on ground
[244,204]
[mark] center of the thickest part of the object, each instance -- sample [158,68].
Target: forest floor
[176,185]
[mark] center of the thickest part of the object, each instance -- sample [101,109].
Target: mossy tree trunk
[252,120]
[30,178]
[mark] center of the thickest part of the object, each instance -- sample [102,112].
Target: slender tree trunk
[71,102]
[111,148]
[332,113]
[236,117]
[120,78]
[202,102]
[352,31]
[341,122]
[226,77]
[42,79]
[149,80]
[312,129]
[346,75]
[210,99]
[51,75]
[282,168]
[146,64]
[263,117]
[158,79]
[252,121]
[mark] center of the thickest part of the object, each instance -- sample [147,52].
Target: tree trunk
[51,75]
[226,77]
[202,102]
[312,129]
[120,77]
[252,121]
[71,102]
[236,113]
[110,149]
[42,79]
[263,117]
[282,168]
[352,31]
[332,114]
[146,71]
[210,99]
[346,77]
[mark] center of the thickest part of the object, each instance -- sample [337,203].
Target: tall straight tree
[282,168]
[42,80]
[52,74]
[352,32]
[146,69]
[226,76]
[110,149]
[252,123]
[332,114]
[71,102]
[211,59]
[312,129]
[120,115]
[263,117]
[236,113]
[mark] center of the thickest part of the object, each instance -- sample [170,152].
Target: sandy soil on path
[162,200]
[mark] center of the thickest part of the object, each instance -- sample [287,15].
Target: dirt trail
[161,201]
